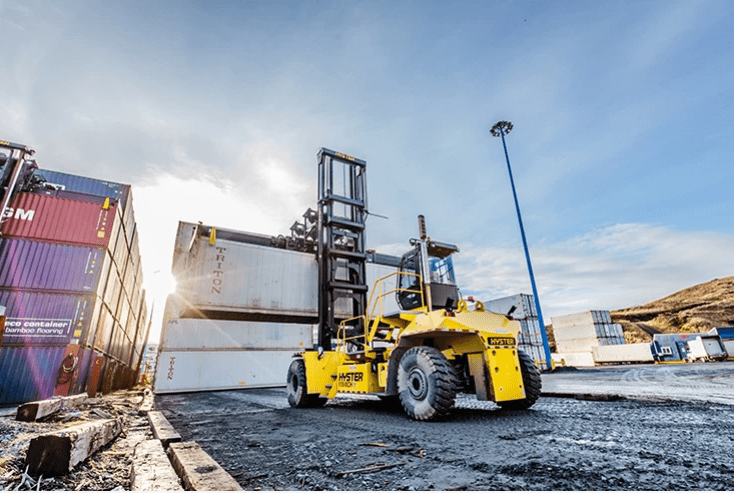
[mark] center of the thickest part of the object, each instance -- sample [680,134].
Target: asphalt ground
[661,427]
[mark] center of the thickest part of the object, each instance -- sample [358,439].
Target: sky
[215,111]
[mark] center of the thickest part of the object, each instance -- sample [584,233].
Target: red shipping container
[63,220]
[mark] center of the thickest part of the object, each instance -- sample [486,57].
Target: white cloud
[614,267]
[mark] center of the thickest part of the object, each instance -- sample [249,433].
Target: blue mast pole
[500,129]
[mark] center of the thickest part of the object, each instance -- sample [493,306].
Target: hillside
[695,309]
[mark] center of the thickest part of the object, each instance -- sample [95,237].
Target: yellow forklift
[435,346]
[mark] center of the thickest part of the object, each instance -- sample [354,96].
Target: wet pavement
[649,442]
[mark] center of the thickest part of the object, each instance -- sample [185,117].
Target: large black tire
[296,387]
[530,380]
[426,383]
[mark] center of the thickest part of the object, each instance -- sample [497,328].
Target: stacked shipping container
[71,282]
[530,339]
[240,311]
[578,334]
[582,331]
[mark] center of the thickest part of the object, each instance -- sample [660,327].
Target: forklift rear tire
[426,383]
[530,380]
[296,387]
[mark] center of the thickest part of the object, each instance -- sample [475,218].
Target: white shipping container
[577,345]
[388,303]
[705,348]
[584,318]
[574,359]
[248,278]
[193,371]
[729,347]
[242,277]
[633,353]
[203,334]
[524,303]
[537,353]
[575,332]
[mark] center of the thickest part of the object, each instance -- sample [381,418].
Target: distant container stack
[582,331]
[530,339]
[71,284]
[578,334]
[242,307]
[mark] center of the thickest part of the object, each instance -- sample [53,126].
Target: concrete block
[197,470]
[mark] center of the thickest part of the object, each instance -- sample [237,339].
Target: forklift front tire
[296,388]
[426,383]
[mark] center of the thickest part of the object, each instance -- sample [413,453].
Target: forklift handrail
[376,297]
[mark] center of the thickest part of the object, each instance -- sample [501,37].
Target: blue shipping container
[29,373]
[38,318]
[725,333]
[91,186]
[28,264]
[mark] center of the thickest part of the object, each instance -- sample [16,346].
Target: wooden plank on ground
[162,429]
[31,411]
[197,470]
[58,452]
[152,470]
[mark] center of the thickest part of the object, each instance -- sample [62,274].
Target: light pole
[500,129]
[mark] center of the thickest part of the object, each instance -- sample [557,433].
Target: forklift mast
[342,212]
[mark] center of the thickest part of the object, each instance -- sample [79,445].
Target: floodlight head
[501,128]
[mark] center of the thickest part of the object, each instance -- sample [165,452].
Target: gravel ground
[675,431]
[559,444]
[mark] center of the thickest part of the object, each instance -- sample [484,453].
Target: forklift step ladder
[342,212]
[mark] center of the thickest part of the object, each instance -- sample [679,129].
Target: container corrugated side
[120,251]
[28,264]
[577,345]
[388,303]
[128,279]
[91,186]
[28,373]
[639,353]
[576,332]
[39,318]
[193,371]
[724,333]
[581,360]
[106,324]
[251,278]
[123,312]
[113,290]
[584,318]
[248,278]
[524,306]
[128,220]
[202,334]
[61,220]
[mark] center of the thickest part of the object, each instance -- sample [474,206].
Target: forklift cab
[440,275]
